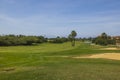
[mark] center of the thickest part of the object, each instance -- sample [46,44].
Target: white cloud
[59,25]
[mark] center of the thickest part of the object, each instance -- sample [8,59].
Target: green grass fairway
[54,62]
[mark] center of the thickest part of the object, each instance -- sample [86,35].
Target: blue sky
[53,18]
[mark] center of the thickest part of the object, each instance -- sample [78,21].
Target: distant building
[117,39]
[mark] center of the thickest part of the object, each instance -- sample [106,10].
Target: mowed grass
[54,62]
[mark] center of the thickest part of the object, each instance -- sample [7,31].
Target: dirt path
[114,56]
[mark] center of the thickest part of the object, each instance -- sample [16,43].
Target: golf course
[49,61]
[59,40]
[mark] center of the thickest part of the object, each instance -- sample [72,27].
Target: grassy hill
[54,62]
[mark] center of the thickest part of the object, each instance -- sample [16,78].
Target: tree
[103,39]
[104,35]
[72,37]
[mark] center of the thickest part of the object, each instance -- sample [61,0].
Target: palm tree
[72,37]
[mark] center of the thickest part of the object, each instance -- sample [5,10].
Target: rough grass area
[54,62]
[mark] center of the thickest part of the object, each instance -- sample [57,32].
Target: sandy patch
[114,56]
[110,49]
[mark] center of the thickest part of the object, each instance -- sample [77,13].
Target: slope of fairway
[45,47]
[55,62]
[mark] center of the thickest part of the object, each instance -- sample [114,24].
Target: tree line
[14,40]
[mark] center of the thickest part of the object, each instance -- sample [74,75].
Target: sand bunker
[111,49]
[114,56]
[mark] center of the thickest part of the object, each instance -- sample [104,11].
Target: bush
[14,40]
[58,40]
